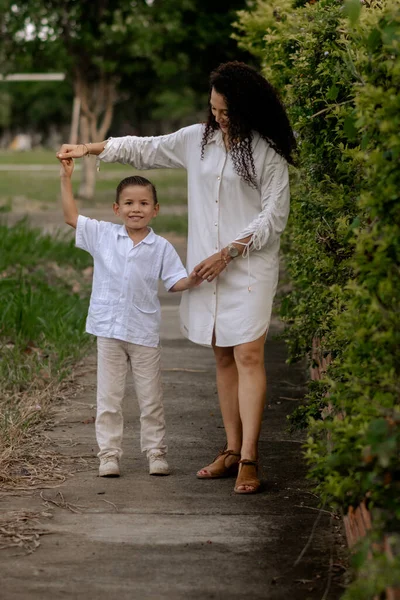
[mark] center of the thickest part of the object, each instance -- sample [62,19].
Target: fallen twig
[75,508]
[302,553]
[17,530]
[328,512]
[112,504]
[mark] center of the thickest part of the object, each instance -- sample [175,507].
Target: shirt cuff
[105,155]
[80,226]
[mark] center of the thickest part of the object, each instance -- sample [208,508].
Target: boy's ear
[156,209]
[116,208]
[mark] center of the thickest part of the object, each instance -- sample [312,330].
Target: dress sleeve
[164,151]
[267,227]
[172,269]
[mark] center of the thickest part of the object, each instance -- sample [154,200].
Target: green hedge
[338,69]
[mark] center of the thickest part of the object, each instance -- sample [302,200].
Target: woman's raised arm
[158,152]
[163,151]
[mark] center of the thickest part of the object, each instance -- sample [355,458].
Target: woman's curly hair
[253,105]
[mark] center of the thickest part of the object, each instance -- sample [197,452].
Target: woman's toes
[245,488]
[202,472]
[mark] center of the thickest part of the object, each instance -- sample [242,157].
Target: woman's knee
[224,358]
[249,358]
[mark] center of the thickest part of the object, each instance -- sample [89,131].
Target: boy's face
[136,207]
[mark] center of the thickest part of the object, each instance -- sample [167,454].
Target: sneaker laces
[108,459]
[157,456]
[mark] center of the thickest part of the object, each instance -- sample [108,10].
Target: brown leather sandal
[218,467]
[247,476]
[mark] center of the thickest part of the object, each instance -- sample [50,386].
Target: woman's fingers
[209,274]
[203,272]
[71,151]
[210,268]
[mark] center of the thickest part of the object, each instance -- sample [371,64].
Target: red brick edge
[358,520]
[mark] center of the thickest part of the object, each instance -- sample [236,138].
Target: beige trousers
[113,358]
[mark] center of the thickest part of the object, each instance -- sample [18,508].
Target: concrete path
[178,538]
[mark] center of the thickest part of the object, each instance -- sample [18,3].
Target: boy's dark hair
[136,180]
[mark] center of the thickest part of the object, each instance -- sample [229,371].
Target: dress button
[219,178]
[216,224]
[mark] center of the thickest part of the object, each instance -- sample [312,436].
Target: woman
[238,205]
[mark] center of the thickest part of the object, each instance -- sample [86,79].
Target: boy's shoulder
[105,226]
[164,244]
[161,241]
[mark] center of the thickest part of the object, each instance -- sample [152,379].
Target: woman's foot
[247,481]
[224,465]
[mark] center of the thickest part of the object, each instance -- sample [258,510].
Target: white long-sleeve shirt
[222,208]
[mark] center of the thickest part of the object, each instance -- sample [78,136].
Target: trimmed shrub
[338,69]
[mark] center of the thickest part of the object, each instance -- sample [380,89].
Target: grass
[42,187]
[177,224]
[33,157]
[44,292]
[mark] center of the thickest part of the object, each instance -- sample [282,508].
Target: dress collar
[217,138]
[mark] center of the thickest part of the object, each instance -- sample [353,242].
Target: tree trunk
[87,184]
[97,106]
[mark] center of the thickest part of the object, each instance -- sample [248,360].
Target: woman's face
[219,109]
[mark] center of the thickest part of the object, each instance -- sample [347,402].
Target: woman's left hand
[211,267]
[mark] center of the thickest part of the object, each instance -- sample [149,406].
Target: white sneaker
[109,466]
[158,464]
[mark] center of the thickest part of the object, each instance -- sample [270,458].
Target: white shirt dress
[222,208]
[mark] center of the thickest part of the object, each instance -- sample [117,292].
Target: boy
[124,313]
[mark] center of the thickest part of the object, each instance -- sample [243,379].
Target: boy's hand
[194,280]
[67,167]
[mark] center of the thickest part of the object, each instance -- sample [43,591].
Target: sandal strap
[230,453]
[226,453]
[246,461]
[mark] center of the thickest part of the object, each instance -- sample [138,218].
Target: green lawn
[42,186]
[34,157]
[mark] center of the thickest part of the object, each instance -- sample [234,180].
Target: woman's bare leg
[251,393]
[227,386]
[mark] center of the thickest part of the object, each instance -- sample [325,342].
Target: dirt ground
[177,537]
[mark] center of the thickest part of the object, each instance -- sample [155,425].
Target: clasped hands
[211,267]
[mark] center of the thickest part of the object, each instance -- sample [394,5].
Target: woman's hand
[79,150]
[211,267]
[72,151]
[67,167]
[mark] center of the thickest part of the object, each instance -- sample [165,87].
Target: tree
[99,44]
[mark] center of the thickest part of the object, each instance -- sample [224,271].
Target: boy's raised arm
[68,201]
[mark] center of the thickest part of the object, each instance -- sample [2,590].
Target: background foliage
[159,53]
[338,68]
